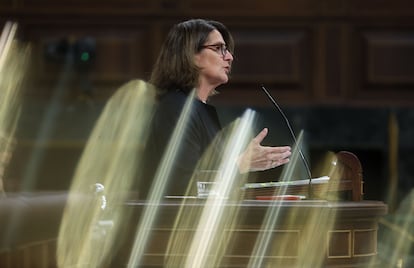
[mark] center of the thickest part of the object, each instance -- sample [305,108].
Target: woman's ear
[197,60]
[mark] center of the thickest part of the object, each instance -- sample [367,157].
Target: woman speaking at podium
[196,55]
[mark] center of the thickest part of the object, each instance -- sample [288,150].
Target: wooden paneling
[349,241]
[389,48]
[120,52]
[89,3]
[6,3]
[308,51]
[258,7]
[276,56]
[334,60]
[386,7]
[383,67]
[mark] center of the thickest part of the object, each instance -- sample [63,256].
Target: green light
[85,56]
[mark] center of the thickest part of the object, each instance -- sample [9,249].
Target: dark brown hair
[175,68]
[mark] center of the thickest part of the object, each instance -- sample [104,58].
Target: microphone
[305,162]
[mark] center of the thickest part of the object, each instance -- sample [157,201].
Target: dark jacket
[198,133]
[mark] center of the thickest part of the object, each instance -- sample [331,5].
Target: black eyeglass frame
[219,48]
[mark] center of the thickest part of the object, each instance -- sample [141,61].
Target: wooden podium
[343,232]
[348,237]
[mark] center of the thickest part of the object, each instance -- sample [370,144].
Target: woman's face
[214,61]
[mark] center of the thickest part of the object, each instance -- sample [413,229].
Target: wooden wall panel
[389,48]
[6,3]
[272,56]
[121,53]
[384,64]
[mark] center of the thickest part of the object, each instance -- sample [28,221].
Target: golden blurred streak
[398,234]
[157,189]
[209,242]
[312,248]
[13,66]
[314,239]
[112,155]
[6,40]
[201,233]
[264,240]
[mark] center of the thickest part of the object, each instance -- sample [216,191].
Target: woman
[197,54]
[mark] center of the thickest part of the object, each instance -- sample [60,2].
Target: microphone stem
[305,163]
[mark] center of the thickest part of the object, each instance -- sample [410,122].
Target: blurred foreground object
[13,62]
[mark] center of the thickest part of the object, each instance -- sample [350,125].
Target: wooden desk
[345,233]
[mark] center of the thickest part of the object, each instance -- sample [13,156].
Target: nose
[228,56]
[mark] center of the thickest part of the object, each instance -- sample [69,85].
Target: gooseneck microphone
[305,163]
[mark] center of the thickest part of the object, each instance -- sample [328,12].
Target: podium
[350,240]
[305,233]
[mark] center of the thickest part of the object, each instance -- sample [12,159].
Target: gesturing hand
[257,157]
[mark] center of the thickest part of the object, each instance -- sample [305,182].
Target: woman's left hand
[257,157]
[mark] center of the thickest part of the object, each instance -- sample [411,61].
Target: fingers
[276,150]
[267,153]
[273,157]
[276,153]
[260,137]
[278,156]
[267,164]
[276,163]
[265,157]
[279,162]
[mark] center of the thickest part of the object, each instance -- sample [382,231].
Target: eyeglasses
[219,48]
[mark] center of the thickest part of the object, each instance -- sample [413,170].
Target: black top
[201,128]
